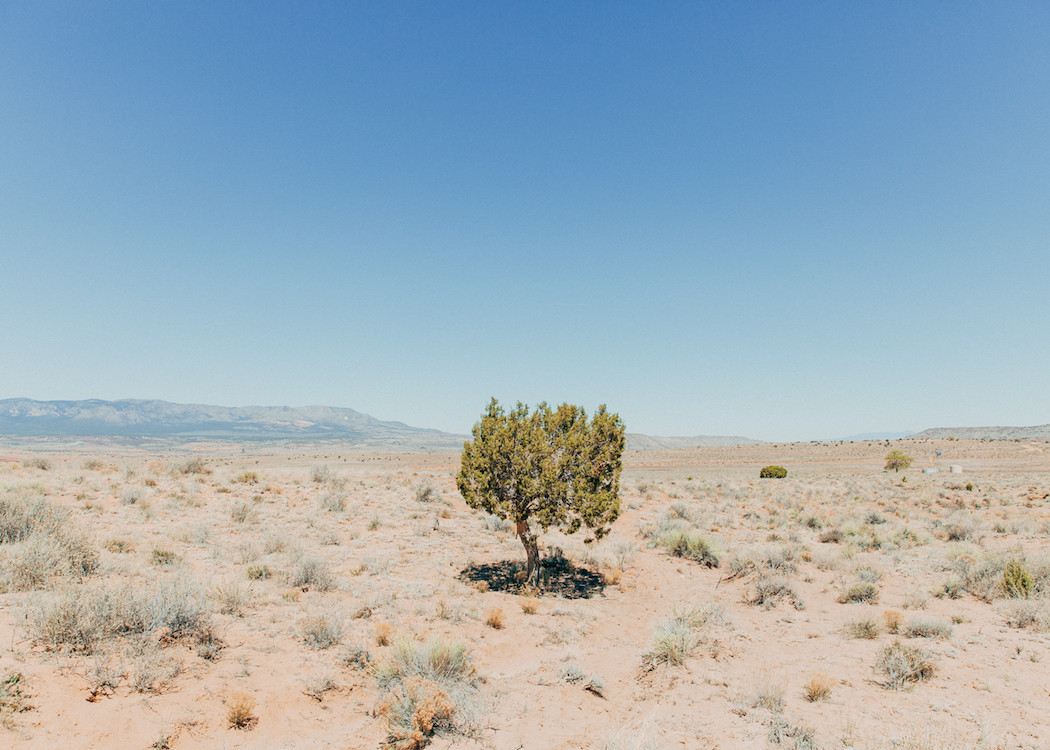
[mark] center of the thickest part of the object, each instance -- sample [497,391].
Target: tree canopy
[897,460]
[550,468]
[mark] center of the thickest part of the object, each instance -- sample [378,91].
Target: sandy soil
[573,673]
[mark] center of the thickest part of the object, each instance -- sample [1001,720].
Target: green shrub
[773,472]
[259,572]
[163,557]
[897,460]
[1017,581]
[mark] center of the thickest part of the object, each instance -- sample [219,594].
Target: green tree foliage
[551,469]
[897,460]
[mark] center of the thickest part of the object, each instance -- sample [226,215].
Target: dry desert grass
[293,600]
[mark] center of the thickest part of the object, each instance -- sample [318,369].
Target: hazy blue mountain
[132,418]
[1038,432]
[136,418]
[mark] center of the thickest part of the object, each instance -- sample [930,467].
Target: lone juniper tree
[551,469]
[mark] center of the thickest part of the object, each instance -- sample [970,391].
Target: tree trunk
[532,555]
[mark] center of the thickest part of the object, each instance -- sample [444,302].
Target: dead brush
[817,687]
[902,665]
[495,618]
[414,711]
[240,711]
[384,633]
[768,591]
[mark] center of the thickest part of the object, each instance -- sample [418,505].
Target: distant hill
[868,436]
[20,417]
[133,418]
[638,442]
[1039,432]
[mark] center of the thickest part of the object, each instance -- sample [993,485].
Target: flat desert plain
[245,597]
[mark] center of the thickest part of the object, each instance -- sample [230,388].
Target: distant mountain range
[1038,432]
[131,418]
[638,442]
[134,419]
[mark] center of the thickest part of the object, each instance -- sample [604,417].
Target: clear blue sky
[779,220]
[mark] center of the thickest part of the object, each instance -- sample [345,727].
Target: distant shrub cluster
[773,472]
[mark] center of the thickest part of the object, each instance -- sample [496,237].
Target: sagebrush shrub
[321,630]
[772,472]
[429,688]
[691,546]
[414,711]
[311,573]
[866,628]
[926,627]
[902,665]
[861,591]
[768,591]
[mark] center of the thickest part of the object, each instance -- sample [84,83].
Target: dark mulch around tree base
[558,577]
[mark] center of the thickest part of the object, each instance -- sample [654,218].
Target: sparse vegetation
[85,618]
[674,640]
[768,591]
[120,632]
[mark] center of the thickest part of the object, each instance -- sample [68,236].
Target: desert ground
[254,597]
